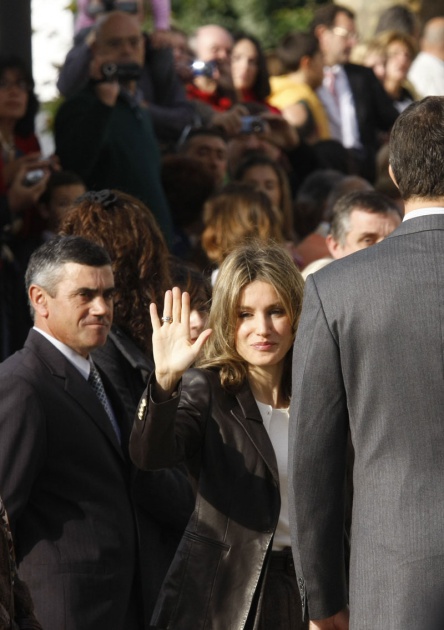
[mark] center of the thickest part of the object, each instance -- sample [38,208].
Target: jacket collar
[419,224]
[248,415]
[130,350]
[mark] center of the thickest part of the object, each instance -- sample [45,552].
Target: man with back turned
[368,359]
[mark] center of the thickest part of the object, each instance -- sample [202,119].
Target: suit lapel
[355,83]
[75,385]
[249,417]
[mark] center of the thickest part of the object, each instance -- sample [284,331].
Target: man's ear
[333,246]
[304,63]
[392,176]
[319,31]
[39,300]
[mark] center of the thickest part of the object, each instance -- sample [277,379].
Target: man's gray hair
[366,200]
[45,267]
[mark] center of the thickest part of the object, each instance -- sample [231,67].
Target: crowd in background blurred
[172,149]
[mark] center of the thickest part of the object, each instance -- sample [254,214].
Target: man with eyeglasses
[356,104]
[104,133]
[158,82]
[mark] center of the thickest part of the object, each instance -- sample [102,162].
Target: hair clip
[105,197]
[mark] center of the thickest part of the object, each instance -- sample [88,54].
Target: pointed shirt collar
[79,362]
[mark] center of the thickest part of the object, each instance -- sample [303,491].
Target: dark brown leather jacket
[215,579]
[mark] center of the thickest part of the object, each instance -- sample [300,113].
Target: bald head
[212,42]
[119,38]
[433,37]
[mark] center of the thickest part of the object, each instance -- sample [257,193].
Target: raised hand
[173,350]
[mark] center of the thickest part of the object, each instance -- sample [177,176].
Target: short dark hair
[326,15]
[293,47]
[46,262]
[417,149]
[198,132]
[58,179]
[366,200]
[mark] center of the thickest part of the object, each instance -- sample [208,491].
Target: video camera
[121,72]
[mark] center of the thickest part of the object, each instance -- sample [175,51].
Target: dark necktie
[96,383]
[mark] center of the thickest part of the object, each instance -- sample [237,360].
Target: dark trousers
[281,604]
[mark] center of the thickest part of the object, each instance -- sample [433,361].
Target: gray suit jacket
[369,356]
[66,483]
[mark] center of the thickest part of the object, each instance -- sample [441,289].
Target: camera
[111,5]
[33,177]
[203,68]
[121,72]
[252,124]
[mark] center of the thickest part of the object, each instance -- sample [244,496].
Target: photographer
[104,132]
[158,82]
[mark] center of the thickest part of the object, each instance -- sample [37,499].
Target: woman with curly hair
[125,227]
[227,421]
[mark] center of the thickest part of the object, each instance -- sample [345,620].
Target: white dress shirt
[423,212]
[340,107]
[427,75]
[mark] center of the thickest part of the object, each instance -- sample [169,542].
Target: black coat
[67,485]
[216,577]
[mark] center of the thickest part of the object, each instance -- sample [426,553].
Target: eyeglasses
[22,85]
[343,32]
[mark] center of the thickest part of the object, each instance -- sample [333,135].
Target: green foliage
[72,6]
[269,20]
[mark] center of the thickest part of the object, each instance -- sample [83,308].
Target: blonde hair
[237,213]
[256,260]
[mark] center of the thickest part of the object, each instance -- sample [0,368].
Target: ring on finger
[167,319]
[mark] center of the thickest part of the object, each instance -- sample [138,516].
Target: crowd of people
[167,459]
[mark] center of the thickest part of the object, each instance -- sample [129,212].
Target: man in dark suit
[64,468]
[356,104]
[368,359]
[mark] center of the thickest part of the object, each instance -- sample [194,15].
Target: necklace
[8,147]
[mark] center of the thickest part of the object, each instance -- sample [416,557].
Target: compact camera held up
[33,177]
[252,124]
[203,68]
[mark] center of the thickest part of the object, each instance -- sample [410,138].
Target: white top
[340,108]
[423,212]
[276,424]
[427,75]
